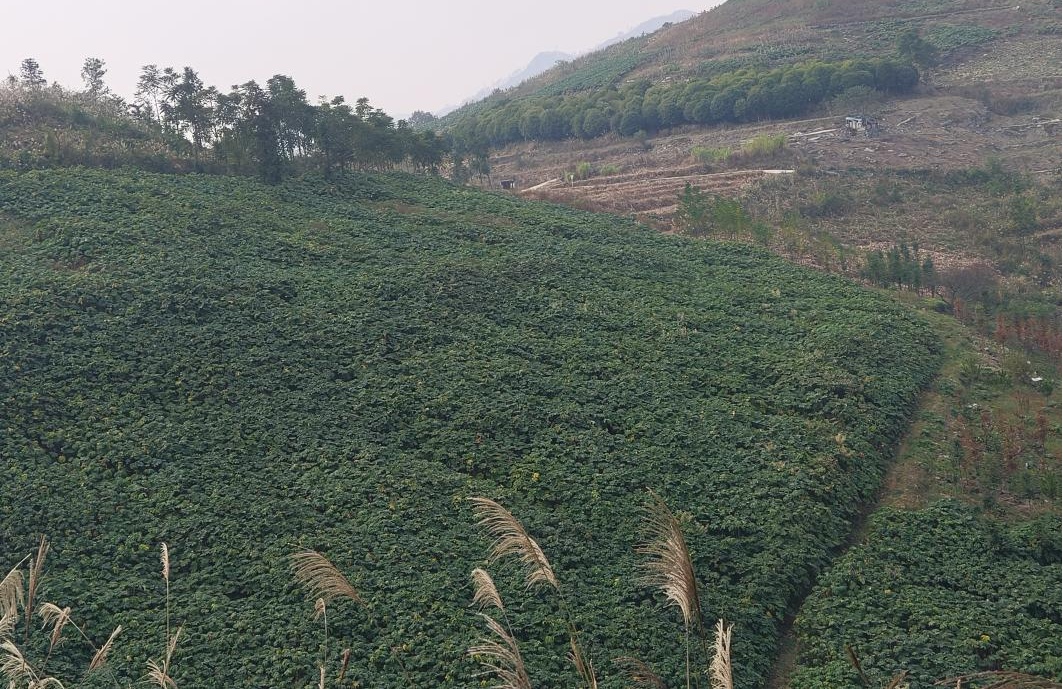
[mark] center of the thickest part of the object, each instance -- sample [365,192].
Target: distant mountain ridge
[547,59]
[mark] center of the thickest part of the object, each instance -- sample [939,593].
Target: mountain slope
[242,371]
[548,59]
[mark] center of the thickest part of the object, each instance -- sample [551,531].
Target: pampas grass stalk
[7,626]
[164,557]
[511,538]
[640,673]
[1000,679]
[720,668]
[321,612]
[15,667]
[500,656]
[100,658]
[669,568]
[324,582]
[12,590]
[159,677]
[172,646]
[854,660]
[58,617]
[583,666]
[321,578]
[22,590]
[345,661]
[36,568]
[484,592]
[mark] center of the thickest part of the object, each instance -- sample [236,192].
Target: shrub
[711,156]
[826,203]
[763,145]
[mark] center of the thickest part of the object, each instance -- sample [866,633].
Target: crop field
[243,371]
[931,592]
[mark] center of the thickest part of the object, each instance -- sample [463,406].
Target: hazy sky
[403,56]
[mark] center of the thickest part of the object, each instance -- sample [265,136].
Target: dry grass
[897,681]
[164,557]
[510,538]
[14,666]
[583,666]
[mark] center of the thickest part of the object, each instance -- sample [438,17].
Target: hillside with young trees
[179,123]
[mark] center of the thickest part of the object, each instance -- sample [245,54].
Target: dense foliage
[937,592]
[242,370]
[741,95]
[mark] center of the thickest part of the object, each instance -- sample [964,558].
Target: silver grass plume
[720,669]
[158,676]
[640,673]
[100,658]
[36,568]
[7,625]
[583,666]
[321,578]
[510,538]
[500,656]
[13,665]
[164,557]
[12,591]
[53,615]
[45,683]
[484,592]
[668,566]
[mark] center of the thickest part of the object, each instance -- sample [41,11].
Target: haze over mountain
[547,59]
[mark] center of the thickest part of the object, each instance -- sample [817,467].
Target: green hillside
[242,370]
[749,61]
